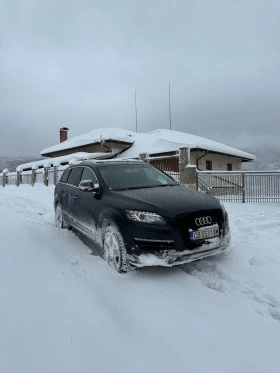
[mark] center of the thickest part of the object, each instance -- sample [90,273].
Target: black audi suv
[139,215]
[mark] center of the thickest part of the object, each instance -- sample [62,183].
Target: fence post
[243,188]
[143,157]
[188,172]
[18,178]
[5,176]
[55,175]
[33,177]
[46,178]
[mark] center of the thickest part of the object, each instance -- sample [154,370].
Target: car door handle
[75,197]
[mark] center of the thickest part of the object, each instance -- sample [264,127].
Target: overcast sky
[77,63]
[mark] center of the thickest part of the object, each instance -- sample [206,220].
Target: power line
[136,124]
[169,109]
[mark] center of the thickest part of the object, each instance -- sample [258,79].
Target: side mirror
[88,186]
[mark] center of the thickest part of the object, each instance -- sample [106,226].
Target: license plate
[204,233]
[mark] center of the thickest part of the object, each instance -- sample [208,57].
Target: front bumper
[169,258]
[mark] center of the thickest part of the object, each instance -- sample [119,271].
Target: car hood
[167,200]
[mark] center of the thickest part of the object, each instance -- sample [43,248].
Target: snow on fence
[51,177]
[12,180]
[26,177]
[39,177]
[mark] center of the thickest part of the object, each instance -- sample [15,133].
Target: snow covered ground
[65,310]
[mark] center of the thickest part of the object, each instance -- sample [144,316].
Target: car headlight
[145,217]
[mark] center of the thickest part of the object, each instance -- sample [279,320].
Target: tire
[59,218]
[114,248]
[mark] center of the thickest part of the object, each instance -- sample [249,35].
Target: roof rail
[113,160]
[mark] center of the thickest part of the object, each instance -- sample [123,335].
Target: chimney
[63,134]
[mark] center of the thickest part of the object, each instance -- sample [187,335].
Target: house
[204,153]
[120,143]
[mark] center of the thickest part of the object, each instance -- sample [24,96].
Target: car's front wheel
[114,248]
[59,218]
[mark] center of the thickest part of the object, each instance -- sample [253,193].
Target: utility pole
[169,109]
[135,99]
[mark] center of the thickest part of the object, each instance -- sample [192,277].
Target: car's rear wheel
[59,218]
[114,248]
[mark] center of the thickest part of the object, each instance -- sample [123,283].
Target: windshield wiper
[128,188]
[145,186]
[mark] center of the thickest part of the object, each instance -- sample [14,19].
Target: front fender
[116,217]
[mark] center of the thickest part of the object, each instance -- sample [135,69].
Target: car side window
[89,175]
[65,176]
[75,176]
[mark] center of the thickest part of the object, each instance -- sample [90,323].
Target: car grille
[187,221]
[151,246]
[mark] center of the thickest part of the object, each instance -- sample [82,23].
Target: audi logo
[203,221]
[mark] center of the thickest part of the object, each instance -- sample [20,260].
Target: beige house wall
[91,148]
[219,161]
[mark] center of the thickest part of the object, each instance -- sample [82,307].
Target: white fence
[13,178]
[228,186]
[26,177]
[242,186]
[47,176]
[51,177]
[39,178]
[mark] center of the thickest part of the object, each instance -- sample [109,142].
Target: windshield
[133,176]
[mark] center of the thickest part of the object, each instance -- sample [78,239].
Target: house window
[208,165]
[229,166]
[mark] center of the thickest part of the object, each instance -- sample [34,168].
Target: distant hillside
[12,162]
[266,159]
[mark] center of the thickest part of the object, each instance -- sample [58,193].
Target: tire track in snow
[34,212]
[249,292]
[40,212]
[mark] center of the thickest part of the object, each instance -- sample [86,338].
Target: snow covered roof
[161,140]
[71,158]
[156,141]
[95,136]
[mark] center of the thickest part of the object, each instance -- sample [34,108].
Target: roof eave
[244,159]
[48,154]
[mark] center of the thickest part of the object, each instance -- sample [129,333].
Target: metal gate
[169,164]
